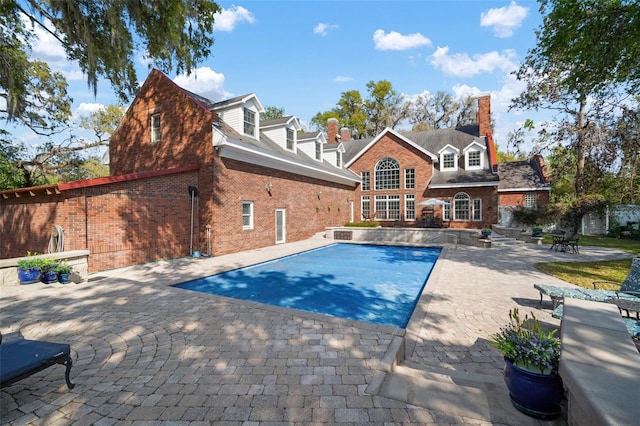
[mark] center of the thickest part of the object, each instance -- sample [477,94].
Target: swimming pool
[372,283]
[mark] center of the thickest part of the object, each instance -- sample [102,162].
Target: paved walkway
[147,353]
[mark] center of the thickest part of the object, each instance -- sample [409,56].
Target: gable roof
[351,155]
[521,176]
[238,100]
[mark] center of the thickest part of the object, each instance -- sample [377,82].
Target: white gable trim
[237,150]
[292,122]
[433,157]
[240,102]
[463,185]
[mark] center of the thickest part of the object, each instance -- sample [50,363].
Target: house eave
[236,150]
[525,189]
[462,185]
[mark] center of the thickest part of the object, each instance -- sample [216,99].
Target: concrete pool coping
[144,352]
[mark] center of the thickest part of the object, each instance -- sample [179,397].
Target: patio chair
[629,290]
[20,358]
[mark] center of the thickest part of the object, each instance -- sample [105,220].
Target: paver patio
[147,353]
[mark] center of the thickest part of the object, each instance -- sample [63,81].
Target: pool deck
[147,353]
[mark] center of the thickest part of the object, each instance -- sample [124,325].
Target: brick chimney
[484,115]
[332,130]
[345,134]
[538,160]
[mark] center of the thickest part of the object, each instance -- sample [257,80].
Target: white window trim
[250,215]
[445,151]
[362,181]
[387,199]
[414,178]
[293,139]
[533,196]
[245,122]
[156,134]
[362,200]
[467,166]
[407,198]
[479,210]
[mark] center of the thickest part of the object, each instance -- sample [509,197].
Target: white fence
[592,223]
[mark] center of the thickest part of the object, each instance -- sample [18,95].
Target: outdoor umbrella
[433,202]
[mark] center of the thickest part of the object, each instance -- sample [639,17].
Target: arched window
[461,206]
[387,174]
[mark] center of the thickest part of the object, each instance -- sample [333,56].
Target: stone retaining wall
[77,259]
[599,365]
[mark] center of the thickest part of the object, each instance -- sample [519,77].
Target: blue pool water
[376,284]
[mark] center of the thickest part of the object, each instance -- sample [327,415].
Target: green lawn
[584,273]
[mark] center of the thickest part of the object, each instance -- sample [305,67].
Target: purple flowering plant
[527,345]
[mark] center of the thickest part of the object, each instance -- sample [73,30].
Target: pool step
[455,393]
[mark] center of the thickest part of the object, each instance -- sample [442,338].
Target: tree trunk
[581,148]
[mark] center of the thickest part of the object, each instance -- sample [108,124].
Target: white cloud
[323,29]
[342,79]
[504,19]
[87,108]
[47,48]
[205,82]
[462,65]
[227,19]
[396,41]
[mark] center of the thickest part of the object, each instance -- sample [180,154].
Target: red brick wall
[510,199]
[119,223]
[306,212]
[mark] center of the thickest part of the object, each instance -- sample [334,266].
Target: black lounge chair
[21,358]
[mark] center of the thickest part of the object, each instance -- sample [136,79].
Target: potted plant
[531,357]
[485,232]
[29,268]
[64,272]
[48,271]
[536,231]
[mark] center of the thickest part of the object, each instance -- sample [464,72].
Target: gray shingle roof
[520,175]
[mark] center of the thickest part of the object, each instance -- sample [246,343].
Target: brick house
[249,183]
[400,171]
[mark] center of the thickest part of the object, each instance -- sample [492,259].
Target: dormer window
[473,156]
[249,122]
[448,158]
[339,159]
[318,150]
[290,139]
[448,161]
[473,159]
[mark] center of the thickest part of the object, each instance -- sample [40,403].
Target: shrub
[31,262]
[372,224]
[527,345]
[63,268]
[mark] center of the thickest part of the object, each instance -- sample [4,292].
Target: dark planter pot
[63,278]
[536,232]
[49,277]
[536,395]
[28,276]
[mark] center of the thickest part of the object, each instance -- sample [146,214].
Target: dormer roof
[238,101]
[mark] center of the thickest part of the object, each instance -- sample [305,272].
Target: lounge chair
[629,290]
[20,358]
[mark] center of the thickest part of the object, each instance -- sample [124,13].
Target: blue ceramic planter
[49,277]
[28,276]
[536,395]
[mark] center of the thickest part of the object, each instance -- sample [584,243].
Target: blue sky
[301,55]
